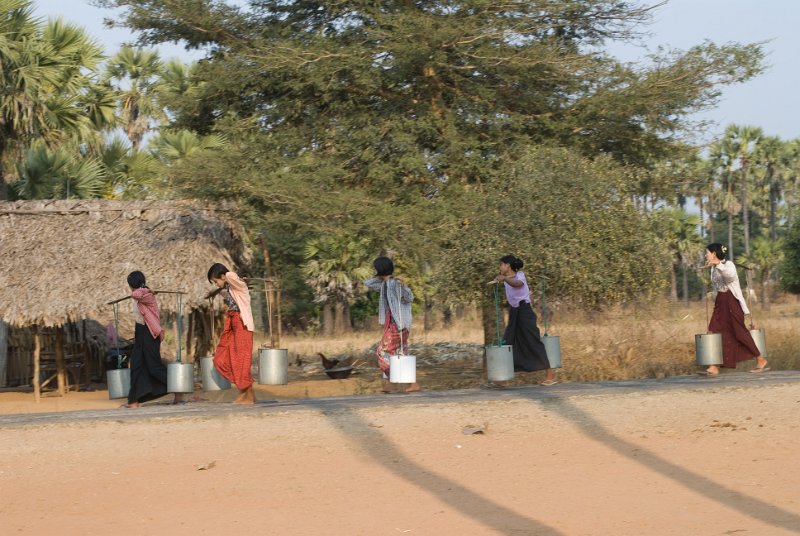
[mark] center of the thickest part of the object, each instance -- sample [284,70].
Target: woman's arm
[513,281]
[235,282]
[374,283]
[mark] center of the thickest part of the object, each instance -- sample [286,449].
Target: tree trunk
[685,278]
[673,285]
[447,316]
[702,215]
[427,318]
[327,319]
[765,301]
[774,195]
[490,322]
[37,352]
[338,319]
[745,212]
[730,235]
[61,371]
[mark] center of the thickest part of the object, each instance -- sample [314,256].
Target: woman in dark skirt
[148,373]
[522,332]
[730,309]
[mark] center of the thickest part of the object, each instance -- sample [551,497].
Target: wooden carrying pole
[60,367]
[37,351]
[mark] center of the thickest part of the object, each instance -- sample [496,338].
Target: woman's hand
[399,280]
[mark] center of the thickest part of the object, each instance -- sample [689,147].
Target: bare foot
[246,397]
[129,405]
[389,387]
[413,388]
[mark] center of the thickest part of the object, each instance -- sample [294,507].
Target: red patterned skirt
[390,344]
[234,355]
[728,320]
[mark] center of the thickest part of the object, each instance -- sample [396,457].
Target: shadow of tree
[487,512]
[746,504]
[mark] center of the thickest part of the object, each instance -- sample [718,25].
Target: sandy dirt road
[701,459]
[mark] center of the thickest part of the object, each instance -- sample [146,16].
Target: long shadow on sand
[746,504]
[497,517]
[374,443]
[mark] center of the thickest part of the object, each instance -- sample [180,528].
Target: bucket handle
[399,287]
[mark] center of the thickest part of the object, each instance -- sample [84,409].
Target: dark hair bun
[515,263]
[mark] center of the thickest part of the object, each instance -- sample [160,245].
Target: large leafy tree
[46,76]
[386,119]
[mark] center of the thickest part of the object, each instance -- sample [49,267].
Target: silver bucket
[500,363]
[760,340]
[552,345]
[180,378]
[119,383]
[402,368]
[708,349]
[273,366]
[212,379]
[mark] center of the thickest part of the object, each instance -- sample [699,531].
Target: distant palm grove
[442,133]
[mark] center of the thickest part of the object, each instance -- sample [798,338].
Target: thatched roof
[67,259]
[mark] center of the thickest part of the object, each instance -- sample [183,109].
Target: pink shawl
[241,295]
[148,307]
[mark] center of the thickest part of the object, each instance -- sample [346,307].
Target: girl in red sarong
[730,309]
[234,355]
[394,313]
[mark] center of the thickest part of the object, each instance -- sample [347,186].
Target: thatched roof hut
[67,259]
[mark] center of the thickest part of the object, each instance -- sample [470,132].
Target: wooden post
[61,371]
[213,326]
[3,353]
[37,351]
[270,327]
[189,335]
[279,320]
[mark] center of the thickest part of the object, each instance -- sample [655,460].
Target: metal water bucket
[273,366]
[180,378]
[119,383]
[552,344]
[212,379]
[760,340]
[500,363]
[708,349]
[402,368]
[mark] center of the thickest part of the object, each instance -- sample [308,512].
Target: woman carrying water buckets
[394,314]
[148,373]
[522,333]
[729,312]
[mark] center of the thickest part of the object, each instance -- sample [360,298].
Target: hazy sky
[766,101]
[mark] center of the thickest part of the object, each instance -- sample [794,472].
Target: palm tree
[766,256]
[174,147]
[745,138]
[135,74]
[45,68]
[335,266]
[725,152]
[129,173]
[772,158]
[58,174]
[682,232]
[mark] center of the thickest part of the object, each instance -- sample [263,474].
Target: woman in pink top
[522,332]
[234,355]
[148,373]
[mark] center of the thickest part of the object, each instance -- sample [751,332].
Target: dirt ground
[712,462]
